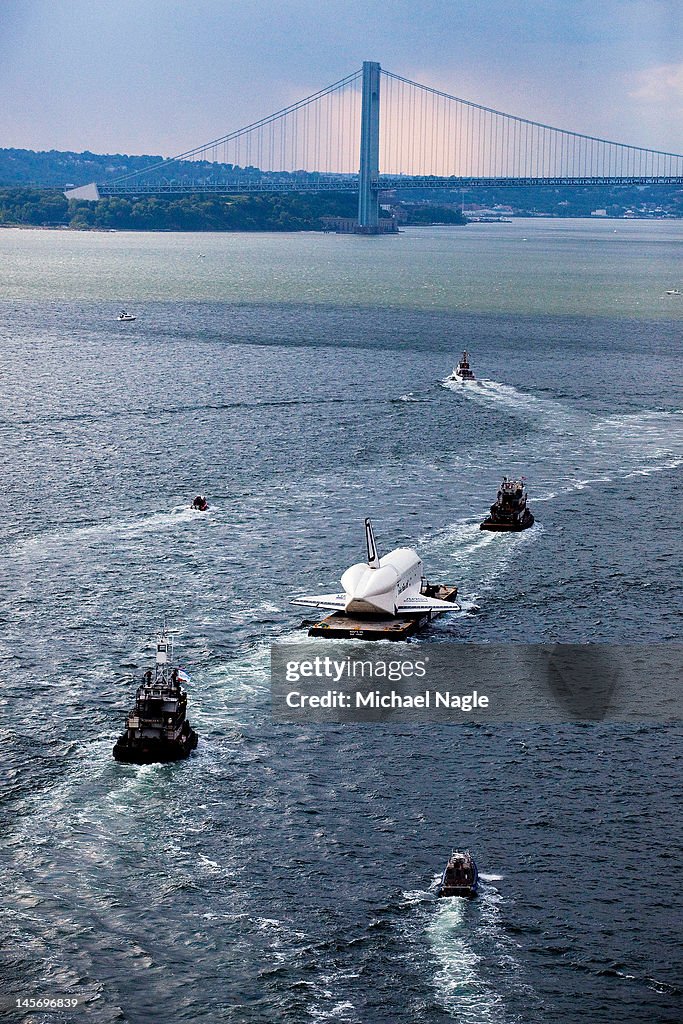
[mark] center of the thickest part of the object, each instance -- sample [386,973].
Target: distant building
[598,213]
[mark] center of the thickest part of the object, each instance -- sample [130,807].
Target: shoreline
[321,231]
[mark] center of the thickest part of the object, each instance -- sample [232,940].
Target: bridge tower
[368,197]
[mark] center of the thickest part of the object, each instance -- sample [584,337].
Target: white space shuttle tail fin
[373,557]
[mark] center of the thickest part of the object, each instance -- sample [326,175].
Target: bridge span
[375,131]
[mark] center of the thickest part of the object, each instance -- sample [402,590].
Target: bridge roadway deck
[350,184]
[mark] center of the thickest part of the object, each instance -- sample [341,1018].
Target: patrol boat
[463,371]
[460,876]
[156,728]
[509,511]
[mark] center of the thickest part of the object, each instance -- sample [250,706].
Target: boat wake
[408,397]
[463,534]
[47,542]
[459,984]
[571,450]
[476,963]
[591,451]
[592,448]
[605,449]
[478,557]
[509,399]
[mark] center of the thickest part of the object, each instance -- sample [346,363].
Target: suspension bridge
[335,140]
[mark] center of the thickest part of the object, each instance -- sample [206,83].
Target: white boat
[674,291]
[125,317]
[463,372]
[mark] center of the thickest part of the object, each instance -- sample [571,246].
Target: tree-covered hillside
[58,169]
[36,207]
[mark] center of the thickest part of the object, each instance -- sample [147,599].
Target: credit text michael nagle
[372,699]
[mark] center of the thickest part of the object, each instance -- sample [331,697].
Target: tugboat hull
[503,527]
[154,750]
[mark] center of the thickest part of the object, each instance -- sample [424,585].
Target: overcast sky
[146,76]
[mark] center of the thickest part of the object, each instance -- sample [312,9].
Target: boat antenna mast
[164,653]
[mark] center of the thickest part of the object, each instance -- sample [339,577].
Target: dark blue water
[287,873]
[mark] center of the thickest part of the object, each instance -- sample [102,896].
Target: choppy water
[286,873]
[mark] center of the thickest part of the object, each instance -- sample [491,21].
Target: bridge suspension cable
[319,133]
[427,132]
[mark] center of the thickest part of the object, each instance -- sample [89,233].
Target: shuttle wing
[420,603]
[336,602]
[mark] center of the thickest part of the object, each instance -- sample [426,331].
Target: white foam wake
[458,982]
[509,398]
[105,532]
[479,557]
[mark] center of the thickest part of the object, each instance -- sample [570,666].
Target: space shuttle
[388,586]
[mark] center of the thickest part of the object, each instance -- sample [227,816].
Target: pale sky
[146,76]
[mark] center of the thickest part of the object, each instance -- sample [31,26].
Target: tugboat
[509,511]
[460,876]
[125,317]
[463,372]
[200,504]
[157,729]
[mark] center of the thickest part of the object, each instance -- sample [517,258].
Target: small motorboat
[463,371]
[200,504]
[460,876]
[674,291]
[509,511]
[124,317]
